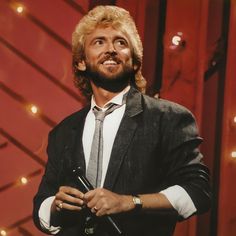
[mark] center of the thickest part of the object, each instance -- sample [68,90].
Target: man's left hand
[104,202]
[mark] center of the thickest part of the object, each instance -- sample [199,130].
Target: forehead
[108,32]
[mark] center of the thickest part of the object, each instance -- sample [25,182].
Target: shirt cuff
[180,200]
[44,216]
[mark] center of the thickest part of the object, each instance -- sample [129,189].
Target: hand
[68,198]
[104,202]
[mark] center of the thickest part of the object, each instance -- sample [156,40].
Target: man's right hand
[68,198]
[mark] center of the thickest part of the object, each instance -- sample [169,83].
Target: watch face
[137,202]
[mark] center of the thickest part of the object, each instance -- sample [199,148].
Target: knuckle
[61,188]
[103,201]
[106,206]
[101,193]
[108,212]
[58,195]
[73,192]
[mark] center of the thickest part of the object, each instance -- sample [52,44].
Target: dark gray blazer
[156,146]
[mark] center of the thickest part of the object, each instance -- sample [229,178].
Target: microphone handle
[87,186]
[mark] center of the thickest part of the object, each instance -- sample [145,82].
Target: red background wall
[35,69]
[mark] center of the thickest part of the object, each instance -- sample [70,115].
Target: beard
[112,83]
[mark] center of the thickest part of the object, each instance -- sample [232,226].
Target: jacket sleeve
[49,184]
[182,159]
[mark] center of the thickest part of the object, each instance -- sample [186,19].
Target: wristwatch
[137,202]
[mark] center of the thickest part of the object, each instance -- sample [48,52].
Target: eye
[98,42]
[121,42]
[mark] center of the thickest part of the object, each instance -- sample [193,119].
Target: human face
[108,57]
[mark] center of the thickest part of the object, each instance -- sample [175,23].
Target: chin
[111,76]
[111,73]
[114,82]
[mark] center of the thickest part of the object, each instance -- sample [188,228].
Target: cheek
[92,54]
[91,58]
[126,54]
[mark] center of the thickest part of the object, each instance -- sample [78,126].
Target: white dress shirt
[111,124]
[177,196]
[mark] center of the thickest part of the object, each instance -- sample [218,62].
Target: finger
[94,210]
[89,195]
[68,198]
[68,206]
[102,208]
[91,200]
[98,206]
[59,205]
[62,206]
[93,196]
[72,191]
[99,212]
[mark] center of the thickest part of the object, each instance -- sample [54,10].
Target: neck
[102,96]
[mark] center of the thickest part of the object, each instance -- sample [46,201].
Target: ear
[136,67]
[81,65]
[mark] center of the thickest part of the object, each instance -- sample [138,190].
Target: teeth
[109,62]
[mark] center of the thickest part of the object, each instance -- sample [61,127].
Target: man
[147,172]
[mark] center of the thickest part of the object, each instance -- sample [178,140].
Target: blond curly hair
[103,16]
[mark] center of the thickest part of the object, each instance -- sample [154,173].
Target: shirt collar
[118,99]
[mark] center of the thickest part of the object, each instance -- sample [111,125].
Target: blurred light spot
[3,232]
[213,63]
[20,9]
[34,109]
[233,154]
[24,180]
[176,40]
[235,119]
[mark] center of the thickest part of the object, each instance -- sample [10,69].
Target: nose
[111,48]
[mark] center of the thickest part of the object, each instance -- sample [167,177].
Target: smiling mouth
[110,63]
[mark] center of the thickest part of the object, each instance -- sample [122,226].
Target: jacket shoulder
[164,106]
[70,121]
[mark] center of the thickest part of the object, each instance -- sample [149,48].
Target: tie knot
[100,114]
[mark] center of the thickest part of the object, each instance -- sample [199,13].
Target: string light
[235,119]
[19,8]
[24,180]
[176,40]
[233,154]
[3,232]
[34,109]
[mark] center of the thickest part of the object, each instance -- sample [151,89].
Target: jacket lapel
[74,151]
[124,137]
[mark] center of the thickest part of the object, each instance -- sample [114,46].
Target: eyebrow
[103,37]
[99,37]
[115,38]
[96,38]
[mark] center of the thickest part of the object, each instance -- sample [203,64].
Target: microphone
[86,186]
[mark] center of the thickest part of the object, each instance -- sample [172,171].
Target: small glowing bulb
[34,109]
[235,119]
[24,180]
[176,40]
[3,232]
[20,9]
[233,154]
